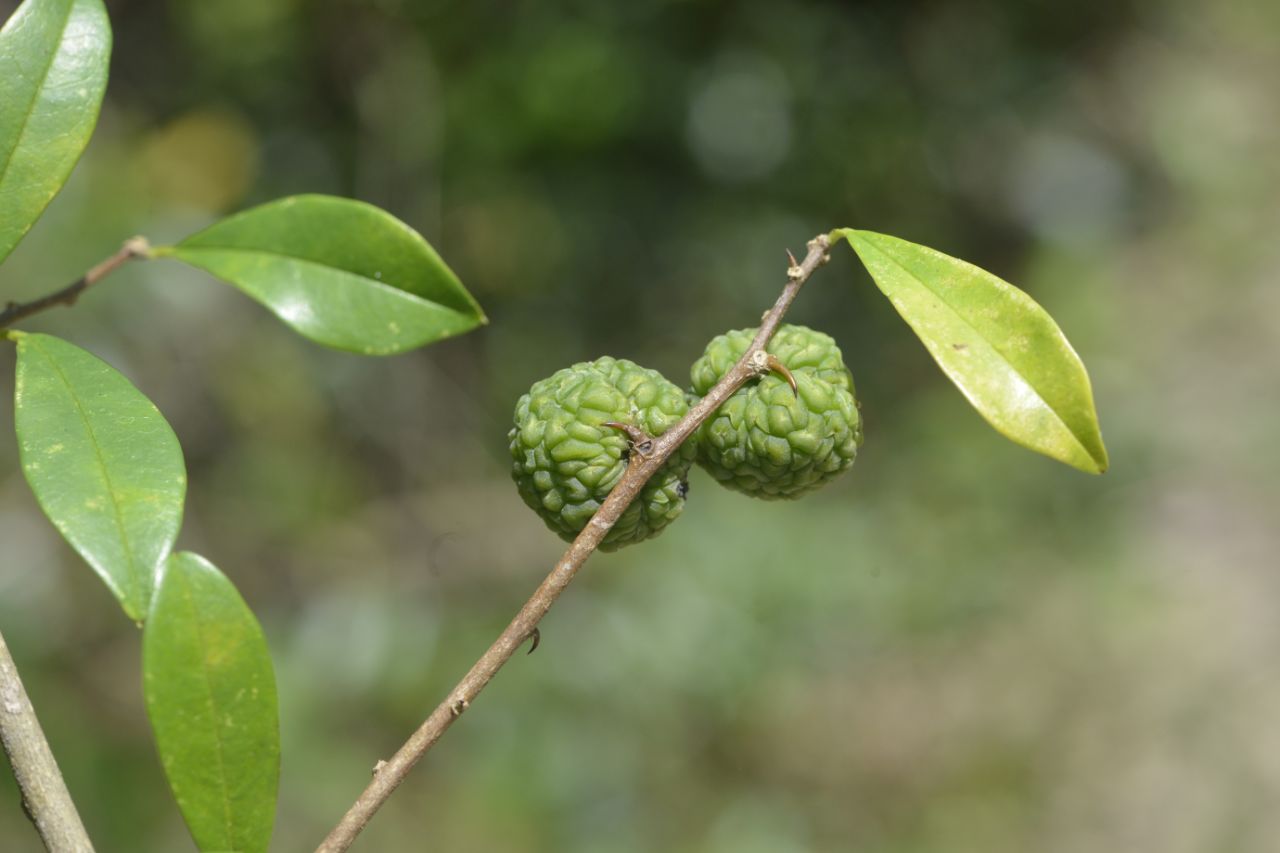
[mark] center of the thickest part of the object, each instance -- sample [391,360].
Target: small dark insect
[682,488]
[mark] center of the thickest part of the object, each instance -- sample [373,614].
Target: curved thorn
[775,366]
[536,636]
[641,441]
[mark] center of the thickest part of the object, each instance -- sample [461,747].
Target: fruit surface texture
[766,440]
[565,460]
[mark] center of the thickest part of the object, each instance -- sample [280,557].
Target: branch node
[134,247]
[138,247]
[773,365]
[795,272]
[762,362]
[641,441]
[377,768]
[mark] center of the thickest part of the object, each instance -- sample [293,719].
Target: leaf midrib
[997,350]
[131,561]
[213,710]
[380,285]
[35,95]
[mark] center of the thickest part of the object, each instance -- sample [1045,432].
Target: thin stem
[134,247]
[44,793]
[388,775]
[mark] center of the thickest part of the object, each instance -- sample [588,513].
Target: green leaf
[102,461]
[53,72]
[996,344]
[211,696]
[342,273]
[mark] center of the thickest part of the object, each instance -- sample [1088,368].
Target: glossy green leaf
[53,71]
[102,461]
[340,272]
[1004,352]
[211,697]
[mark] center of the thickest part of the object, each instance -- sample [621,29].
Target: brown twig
[641,467]
[134,247]
[44,793]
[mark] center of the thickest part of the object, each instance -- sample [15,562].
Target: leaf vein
[373,282]
[198,626]
[998,351]
[131,561]
[25,123]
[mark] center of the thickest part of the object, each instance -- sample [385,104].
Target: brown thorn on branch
[773,365]
[641,441]
[795,270]
[536,636]
[642,467]
[766,362]
[133,248]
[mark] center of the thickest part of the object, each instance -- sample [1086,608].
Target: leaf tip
[1095,450]
[1092,461]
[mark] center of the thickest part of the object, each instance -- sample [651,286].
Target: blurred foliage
[959,646]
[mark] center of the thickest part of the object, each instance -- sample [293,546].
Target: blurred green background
[957,647]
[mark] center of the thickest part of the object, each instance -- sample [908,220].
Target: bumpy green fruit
[566,461]
[767,441]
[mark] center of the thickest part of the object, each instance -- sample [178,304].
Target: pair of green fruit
[768,440]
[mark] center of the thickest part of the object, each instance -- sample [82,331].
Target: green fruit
[566,461]
[766,440]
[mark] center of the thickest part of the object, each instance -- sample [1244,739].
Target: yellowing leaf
[1002,350]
